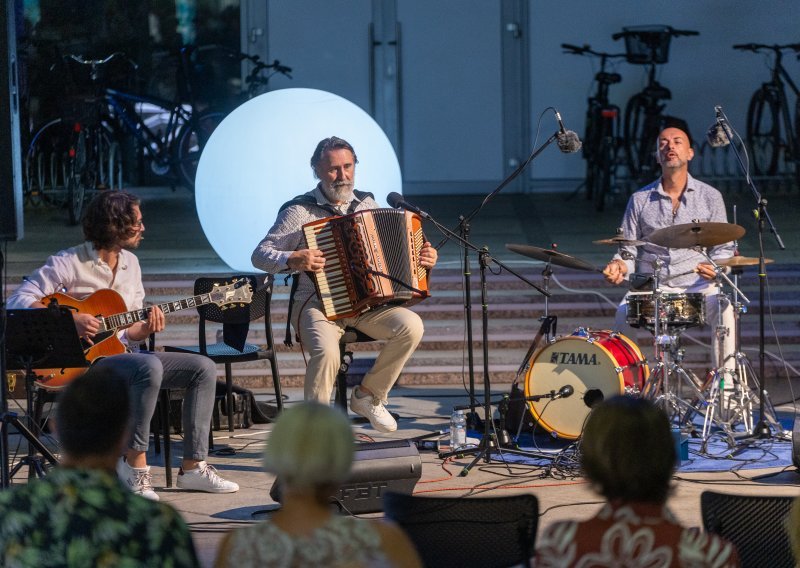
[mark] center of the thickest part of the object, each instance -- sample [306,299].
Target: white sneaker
[373,410]
[205,478]
[137,479]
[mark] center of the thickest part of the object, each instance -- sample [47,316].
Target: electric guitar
[106,301]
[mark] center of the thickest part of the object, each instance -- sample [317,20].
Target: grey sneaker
[373,410]
[138,480]
[205,478]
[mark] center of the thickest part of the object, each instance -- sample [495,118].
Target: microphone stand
[762,429]
[488,442]
[462,236]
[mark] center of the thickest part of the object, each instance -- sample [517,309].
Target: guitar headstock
[239,291]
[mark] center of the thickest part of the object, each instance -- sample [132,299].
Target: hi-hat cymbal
[553,256]
[742,261]
[690,235]
[620,242]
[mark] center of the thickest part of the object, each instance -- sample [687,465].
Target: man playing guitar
[113,227]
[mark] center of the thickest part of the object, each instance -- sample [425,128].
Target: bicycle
[770,132]
[206,60]
[644,118]
[78,153]
[601,140]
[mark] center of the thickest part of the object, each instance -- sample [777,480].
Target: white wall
[702,72]
[451,97]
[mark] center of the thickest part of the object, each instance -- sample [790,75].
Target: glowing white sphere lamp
[258,158]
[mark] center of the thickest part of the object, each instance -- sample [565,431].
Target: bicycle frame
[157,147]
[781,78]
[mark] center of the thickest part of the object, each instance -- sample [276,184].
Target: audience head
[310,449]
[93,415]
[628,450]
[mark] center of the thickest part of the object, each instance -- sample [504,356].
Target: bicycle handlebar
[587,50]
[98,62]
[755,47]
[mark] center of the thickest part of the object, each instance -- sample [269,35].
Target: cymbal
[553,256]
[620,242]
[742,261]
[690,235]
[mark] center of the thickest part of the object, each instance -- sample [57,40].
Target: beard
[339,191]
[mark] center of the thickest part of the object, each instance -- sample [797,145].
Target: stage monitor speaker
[10,153]
[378,467]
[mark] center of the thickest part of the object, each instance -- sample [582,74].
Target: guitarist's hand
[153,324]
[87,326]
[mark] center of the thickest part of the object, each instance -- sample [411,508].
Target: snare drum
[597,364]
[679,311]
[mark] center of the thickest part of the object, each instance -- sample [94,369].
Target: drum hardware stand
[36,338]
[762,429]
[667,353]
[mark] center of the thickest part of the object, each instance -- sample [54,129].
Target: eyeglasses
[138,224]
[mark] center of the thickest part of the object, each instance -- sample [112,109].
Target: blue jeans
[147,373]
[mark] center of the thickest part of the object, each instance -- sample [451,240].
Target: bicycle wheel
[641,135]
[114,166]
[191,141]
[764,131]
[76,178]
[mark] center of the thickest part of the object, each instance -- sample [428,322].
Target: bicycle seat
[658,91]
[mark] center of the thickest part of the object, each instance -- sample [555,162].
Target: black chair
[756,525]
[235,320]
[467,531]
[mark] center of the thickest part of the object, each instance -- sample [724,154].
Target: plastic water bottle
[458,430]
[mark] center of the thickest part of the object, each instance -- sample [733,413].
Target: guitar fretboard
[128,318]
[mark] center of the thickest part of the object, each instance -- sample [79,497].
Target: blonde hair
[310,446]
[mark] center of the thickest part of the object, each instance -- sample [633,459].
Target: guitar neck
[126,319]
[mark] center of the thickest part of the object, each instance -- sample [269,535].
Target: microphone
[568,141]
[564,392]
[396,200]
[719,133]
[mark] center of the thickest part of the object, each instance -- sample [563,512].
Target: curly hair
[110,218]
[628,451]
[328,144]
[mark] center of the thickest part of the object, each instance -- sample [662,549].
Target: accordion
[371,259]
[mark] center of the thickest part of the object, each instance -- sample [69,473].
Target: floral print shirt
[631,535]
[81,517]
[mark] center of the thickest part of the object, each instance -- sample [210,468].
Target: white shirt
[78,272]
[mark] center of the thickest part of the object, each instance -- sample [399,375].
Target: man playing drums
[678,199]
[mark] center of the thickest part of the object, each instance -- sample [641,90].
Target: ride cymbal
[552,256]
[690,235]
[620,242]
[742,261]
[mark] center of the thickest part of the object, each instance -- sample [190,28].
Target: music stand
[41,338]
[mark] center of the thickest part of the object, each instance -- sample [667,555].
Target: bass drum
[597,364]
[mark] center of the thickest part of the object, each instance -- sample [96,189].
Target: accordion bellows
[371,259]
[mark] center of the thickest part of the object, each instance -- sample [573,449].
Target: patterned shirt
[87,518]
[631,535]
[286,235]
[650,209]
[341,542]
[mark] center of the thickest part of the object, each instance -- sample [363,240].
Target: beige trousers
[399,327]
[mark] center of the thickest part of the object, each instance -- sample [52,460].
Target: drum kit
[597,364]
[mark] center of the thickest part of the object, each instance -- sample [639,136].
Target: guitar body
[101,302]
[109,307]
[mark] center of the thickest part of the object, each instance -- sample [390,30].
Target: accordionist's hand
[428,255]
[306,260]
